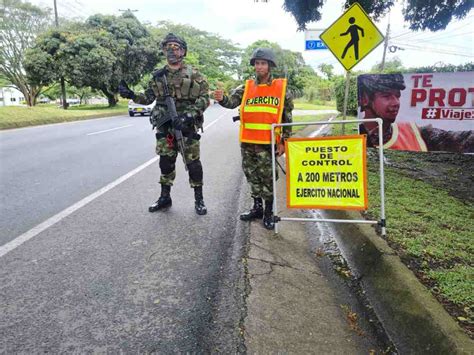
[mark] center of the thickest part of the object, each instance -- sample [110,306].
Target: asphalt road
[111,277]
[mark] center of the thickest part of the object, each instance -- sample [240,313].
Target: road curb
[414,320]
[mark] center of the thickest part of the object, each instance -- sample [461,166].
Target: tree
[327,69]
[421,15]
[20,23]
[290,65]
[391,66]
[339,86]
[96,54]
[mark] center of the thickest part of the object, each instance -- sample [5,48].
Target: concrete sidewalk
[292,307]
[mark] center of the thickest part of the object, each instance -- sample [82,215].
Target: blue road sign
[312,45]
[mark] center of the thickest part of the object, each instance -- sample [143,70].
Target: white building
[10,96]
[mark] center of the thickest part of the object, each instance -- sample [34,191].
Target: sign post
[351,38]
[346,98]
[342,177]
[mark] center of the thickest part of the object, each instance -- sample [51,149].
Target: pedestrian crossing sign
[352,36]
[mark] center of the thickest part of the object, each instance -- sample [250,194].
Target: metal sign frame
[381,223]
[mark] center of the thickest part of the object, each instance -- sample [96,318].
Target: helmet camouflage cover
[171,37]
[371,83]
[264,54]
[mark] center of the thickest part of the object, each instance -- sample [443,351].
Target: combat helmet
[371,83]
[264,54]
[171,37]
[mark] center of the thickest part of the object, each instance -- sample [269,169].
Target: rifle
[173,116]
[237,118]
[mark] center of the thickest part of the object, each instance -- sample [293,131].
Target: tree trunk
[110,98]
[30,93]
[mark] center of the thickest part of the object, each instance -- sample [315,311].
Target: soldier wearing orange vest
[263,101]
[379,97]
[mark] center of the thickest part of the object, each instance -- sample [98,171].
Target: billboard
[420,111]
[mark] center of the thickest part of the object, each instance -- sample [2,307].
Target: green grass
[431,230]
[457,284]
[20,116]
[309,118]
[349,128]
[300,105]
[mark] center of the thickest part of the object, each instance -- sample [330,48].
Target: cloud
[246,21]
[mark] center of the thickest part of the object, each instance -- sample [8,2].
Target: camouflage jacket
[189,90]
[235,99]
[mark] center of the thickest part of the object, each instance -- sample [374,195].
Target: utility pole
[385,45]
[63,85]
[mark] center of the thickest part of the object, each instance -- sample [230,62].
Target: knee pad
[167,164]
[195,170]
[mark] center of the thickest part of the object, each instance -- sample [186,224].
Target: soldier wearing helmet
[263,100]
[189,90]
[379,97]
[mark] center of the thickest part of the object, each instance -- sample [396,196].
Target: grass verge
[299,105]
[23,116]
[309,118]
[430,220]
[430,229]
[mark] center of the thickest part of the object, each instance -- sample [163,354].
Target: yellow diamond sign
[352,36]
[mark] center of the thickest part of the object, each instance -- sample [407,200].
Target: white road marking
[13,244]
[108,130]
[316,133]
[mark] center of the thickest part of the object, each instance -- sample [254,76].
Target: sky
[245,21]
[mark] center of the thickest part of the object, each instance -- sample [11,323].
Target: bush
[352,100]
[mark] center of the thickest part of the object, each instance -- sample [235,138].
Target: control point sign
[327,172]
[352,36]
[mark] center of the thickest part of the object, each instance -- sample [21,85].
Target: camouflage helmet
[371,83]
[264,54]
[171,37]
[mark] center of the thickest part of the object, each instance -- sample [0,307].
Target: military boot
[164,201]
[268,220]
[199,205]
[256,212]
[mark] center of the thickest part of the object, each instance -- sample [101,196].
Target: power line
[442,37]
[411,35]
[434,50]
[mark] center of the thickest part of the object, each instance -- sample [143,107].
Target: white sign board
[312,41]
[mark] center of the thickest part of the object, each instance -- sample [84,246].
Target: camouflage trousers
[168,156]
[257,166]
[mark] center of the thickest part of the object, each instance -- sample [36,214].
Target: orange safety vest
[262,105]
[406,136]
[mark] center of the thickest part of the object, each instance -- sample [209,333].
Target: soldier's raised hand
[219,92]
[124,90]
[218,95]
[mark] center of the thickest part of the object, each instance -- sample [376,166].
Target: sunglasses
[171,46]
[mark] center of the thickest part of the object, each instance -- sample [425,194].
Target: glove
[178,124]
[124,91]
[188,119]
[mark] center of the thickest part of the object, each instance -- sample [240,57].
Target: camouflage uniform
[191,94]
[257,158]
